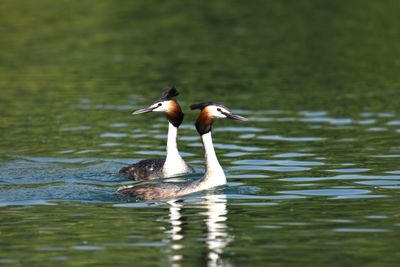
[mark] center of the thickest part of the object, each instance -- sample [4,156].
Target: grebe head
[166,103]
[209,111]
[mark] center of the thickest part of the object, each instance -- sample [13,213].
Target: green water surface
[313,176]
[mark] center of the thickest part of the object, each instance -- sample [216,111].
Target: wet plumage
[159,190]
[173,164]
[214,175]
[146,169]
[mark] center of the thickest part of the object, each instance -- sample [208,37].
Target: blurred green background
[337,56]
[72,71]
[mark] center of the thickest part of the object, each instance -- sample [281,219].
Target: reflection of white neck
[217,230]
[174,164]
[217,236]
[214,175]
[175,218]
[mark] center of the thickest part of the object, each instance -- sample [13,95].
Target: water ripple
[341,177]
[326,192]
[292,155]
[349,170]
[360,230]
[270,168]
[289,139]
[278,162]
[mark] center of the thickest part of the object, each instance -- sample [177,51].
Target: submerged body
[160,191]
[146,169]
[214,175]
[173,164]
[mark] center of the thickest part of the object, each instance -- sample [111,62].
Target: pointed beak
[143,110]
[235,117]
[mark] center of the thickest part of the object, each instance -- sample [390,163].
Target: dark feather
[174,113]
[146,169]
[159,190]
[169,93]
[202,105]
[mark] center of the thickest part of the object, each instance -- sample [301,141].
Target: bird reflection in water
[217,237]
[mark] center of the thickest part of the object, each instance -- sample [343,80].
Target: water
[313,176]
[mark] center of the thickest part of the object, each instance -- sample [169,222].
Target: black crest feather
[201,105]
[169,92]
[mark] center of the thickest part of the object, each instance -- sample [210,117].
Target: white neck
[172,148]
[174,164]
[214,175]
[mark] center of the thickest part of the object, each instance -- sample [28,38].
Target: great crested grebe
[173,164]
[214,175]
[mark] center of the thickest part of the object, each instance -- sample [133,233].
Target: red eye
[219,109]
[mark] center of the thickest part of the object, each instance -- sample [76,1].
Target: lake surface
[313,176]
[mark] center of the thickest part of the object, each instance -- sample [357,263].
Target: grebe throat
[214,175]
[174,163]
